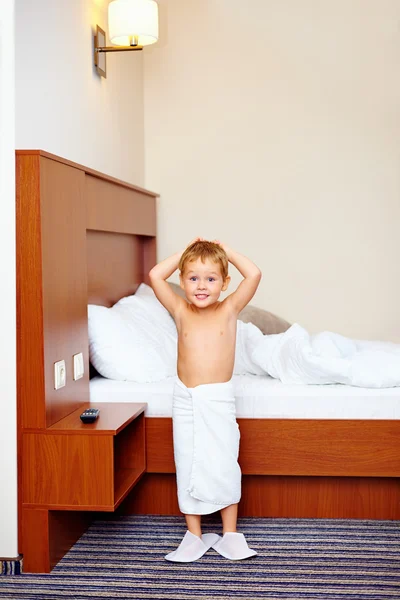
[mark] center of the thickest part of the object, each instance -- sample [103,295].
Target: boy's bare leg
[193,545]
[232,545]
[193,523]
[229,518]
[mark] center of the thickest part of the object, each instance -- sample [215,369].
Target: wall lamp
[132,24]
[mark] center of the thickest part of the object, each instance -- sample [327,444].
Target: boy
[206,435]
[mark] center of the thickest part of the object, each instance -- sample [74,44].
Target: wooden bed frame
[84,237]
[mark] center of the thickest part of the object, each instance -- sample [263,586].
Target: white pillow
[134,340]
[150,301]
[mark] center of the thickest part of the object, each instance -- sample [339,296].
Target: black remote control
[90,415]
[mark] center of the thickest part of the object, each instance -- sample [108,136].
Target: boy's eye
[211,279]
[193,278]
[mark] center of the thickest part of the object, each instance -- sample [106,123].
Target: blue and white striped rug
[297,559]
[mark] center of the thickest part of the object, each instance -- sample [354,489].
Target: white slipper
[192,547]
[233,546]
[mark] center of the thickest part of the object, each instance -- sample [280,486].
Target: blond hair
[205,250]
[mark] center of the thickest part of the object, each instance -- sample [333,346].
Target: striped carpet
[298,559]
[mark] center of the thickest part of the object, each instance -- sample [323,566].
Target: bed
[312,462]
[86,238]
[327,451]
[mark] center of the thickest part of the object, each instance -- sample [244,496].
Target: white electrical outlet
[79,367]
[60,374]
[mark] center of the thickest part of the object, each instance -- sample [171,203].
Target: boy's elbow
[153,278]
[258,274]
[153,274]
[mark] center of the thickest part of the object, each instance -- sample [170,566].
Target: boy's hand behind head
[198,239]
[224,247]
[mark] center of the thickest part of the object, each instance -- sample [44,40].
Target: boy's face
[202,282]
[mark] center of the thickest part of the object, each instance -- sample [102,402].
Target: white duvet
[136,340]
[296,357]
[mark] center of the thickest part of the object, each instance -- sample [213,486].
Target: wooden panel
[111,207]
[321,497]
[65,528]
[297,447]
[320,447]
[68,471]
[35,540]
[89,171]
[155,494]
[64,284]
[159,446]
[149,257]
[283,497]
[29,306]
[48,535]
[30,349]
[109,277]
[130,448]
[129,458]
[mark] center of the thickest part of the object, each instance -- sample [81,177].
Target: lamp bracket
[100,50]
[116,48]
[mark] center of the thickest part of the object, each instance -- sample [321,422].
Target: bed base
[291,468]
[283,497]
[305,447]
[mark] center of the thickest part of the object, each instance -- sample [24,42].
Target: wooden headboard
[82,237]
[120,238]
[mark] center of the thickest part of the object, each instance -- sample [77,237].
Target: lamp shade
[127,18]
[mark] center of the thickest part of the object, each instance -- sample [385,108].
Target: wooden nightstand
[80,467]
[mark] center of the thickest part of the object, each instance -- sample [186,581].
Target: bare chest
[218,330]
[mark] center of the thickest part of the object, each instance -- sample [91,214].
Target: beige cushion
[177,289]
[264,320]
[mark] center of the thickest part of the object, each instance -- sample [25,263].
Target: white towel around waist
[206,447]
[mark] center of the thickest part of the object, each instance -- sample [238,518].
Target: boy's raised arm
[158,278]
[252,276]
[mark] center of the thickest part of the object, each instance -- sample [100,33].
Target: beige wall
[8,421]
[62,105]
[274,125]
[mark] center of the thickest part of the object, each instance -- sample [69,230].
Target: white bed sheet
[263,397]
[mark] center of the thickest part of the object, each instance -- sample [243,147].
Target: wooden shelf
[113,418]
[77,466]
[129,457]
[125,480]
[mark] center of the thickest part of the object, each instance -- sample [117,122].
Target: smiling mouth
[201,296]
